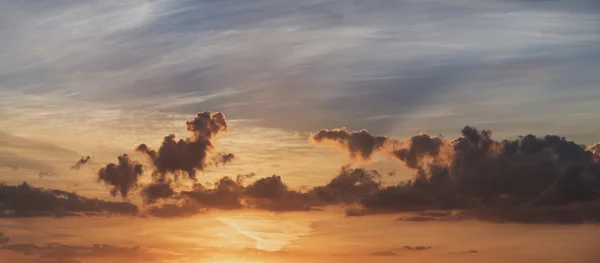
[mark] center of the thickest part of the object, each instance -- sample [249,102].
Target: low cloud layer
[530,179]
[27,201]
[62,253]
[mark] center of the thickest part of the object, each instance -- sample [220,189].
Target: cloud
[529,179]
[223,159]
[46,174]
[189,154]
[168,210]
[360,144]
[526,179]
[155,191]
[417,248]
[61,253]
[27,201]
[272,194]
[349,186]
[122,177]
[225,194]
[83,160]
[420,147]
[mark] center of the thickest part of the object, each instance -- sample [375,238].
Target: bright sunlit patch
[271,232]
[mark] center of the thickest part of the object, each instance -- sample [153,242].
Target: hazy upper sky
[393,67]
[83,77]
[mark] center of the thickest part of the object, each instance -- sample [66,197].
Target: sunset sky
[343,101]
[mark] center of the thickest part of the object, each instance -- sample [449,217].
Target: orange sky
[363,123]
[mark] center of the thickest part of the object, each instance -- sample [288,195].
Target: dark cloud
[83,160]
[155,191]
[46,174]
[223,159]
[272,194]
[122,177]
[529,179]
[417,248]
[269,193]
[27,201]
[225,194]
[420,147]
[418,218]
[189,154]
[360,144]
[349,186]
[55,252]
[187,208]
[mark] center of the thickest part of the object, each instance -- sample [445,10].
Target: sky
[326,109]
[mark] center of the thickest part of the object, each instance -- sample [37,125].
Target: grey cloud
[189,154]
[360,144]
[155,191]
[46,174]
[83,160]
[531,179]
[272,194]
[121,177]
[62,253]
[223,158]
[27,201]
[175,210]
[417,248]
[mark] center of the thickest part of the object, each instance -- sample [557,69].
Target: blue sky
[393,67]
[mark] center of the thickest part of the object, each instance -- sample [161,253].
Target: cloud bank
[27,201]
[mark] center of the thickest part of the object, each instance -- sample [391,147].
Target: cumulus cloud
[83,160]
[360,144]
[27,201]
[528,179]
[419,148]
[121,177]
[173,159]
[189,154]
